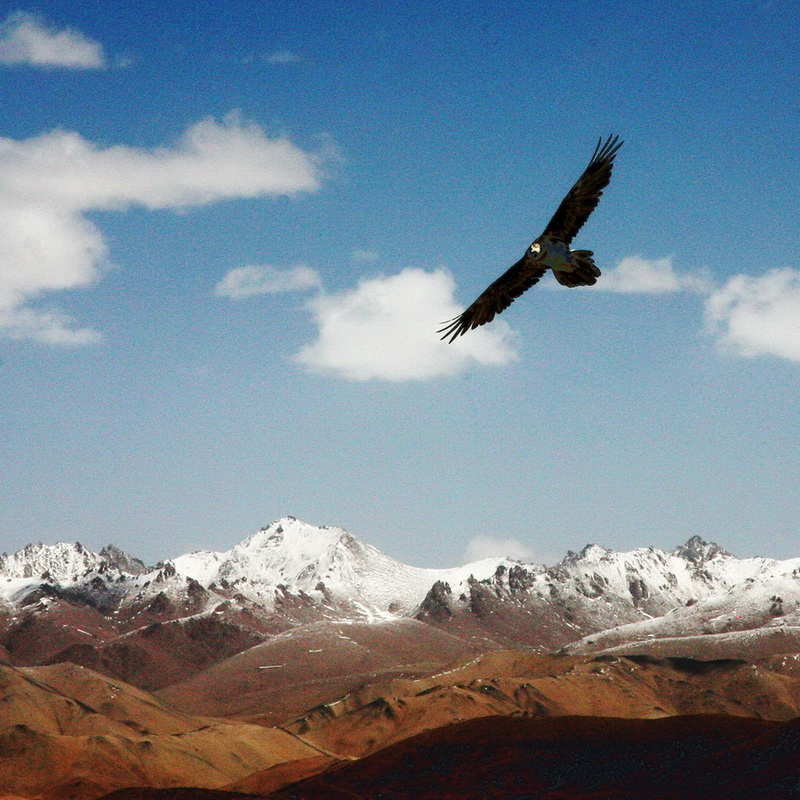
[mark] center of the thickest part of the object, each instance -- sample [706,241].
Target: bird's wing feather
[499,296]
[584,196]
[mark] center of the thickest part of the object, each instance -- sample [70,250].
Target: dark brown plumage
[550,250]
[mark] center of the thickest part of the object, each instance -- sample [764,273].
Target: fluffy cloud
[480,547]
[212,161]
[49,182]
[637,275]
[749,316]
[254,280]
[386,327]
[28,39]
[753,316]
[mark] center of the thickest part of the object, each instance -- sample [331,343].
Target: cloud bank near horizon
[480,547]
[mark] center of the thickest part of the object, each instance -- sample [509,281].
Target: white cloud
[27,38]
[266,279]
[49,182]
[635,274]
[48,327]
[386,329]
[283,57]
[212,161]
[365,256]
[480,547]
[753,316]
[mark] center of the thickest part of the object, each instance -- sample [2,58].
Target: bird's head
[536,251]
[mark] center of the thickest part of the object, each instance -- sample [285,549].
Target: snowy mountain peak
[592,552]
[327,564]
[60,562]
[119,559]
[292,538]
[293,552]
[698,551]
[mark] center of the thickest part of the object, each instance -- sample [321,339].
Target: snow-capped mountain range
[292,573]
[288,557]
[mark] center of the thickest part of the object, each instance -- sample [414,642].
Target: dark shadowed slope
[574,758]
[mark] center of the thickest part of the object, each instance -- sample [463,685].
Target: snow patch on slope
[771,602]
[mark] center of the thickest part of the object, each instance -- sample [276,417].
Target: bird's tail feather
[584,273]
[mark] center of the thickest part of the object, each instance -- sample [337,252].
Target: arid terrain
[72,733]
[306,664]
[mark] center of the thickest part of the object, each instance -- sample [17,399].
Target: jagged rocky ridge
[111,612]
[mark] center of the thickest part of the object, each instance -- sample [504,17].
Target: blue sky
[227,240]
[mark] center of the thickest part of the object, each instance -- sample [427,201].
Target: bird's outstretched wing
[499,296]
[584,196]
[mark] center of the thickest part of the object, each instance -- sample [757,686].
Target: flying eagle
[550,250]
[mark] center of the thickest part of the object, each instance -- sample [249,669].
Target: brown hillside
[513,683]
[282,677]
[67,733]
